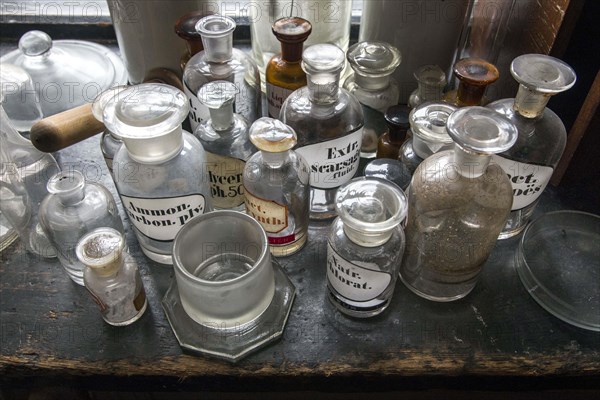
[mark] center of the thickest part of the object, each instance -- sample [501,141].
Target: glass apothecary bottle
[276,182]
[25,173]
[542,135]
[329,123]
[474,76]
[284,72]
[428,133]
[431,81]
[365,246]
[457,205]
[373,64]
[224,137]
[160,171]
[112,276]
[74,208]
[220,61]
[397,120]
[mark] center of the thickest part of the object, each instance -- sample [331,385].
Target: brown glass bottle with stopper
[474,75]
[185,28]
[284,71]
[398,124]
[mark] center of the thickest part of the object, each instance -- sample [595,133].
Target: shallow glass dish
[558,261]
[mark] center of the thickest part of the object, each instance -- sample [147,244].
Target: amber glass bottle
[396,118]
[474,75]
[284,71]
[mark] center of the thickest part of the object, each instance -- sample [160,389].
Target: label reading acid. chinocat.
[276,96]
[161,219]
[198,111]
[334,162]
[354,282]
[271,215]
[528,181]
[225,176]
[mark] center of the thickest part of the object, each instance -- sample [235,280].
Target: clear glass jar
[431,80]
[21,102]
[457,205]
[474,76]
[74,208]
[397,120]
[365,246]
[160,171]
[276,182]
[373,64]
[220,61]
[329,123]
[542,138]
[224,137]
[112,276]
[428,133]
[284,72]
[25,171]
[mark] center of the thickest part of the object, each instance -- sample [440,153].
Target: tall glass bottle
[329,123]
[284,73]
[397,120]
[542,135]
[74,208]
[431,80]
[428,133]
[276,181]
[365,246]
[224,137]
[220,61]
[373,64]
[474,76]
[23,192]
[457,205]
[160,170]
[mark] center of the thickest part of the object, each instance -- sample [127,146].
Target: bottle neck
[323,88]
[428,92]
[397,134]
[275,160]
[530,103]
[292,52]
[222,119]
[470,165]
[469,94]
[109,269]
[218,49]
[155,150]
[372,83]
[372,239]
[71,196]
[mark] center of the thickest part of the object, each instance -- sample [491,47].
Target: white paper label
[161,219]
[352,281]
[528,181]
[334,162]
[198,112]
[271,215]
[225,174]
[276,96]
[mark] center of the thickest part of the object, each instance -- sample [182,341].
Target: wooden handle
[64,129]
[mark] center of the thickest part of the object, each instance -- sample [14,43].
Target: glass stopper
[103,98]
[428,125]
[101,250]
[217,37]
[374,59]
[323,59]
[430,75]
[542,73]
[272,135]
[217,94]
[35,43]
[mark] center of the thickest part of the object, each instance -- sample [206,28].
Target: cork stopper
[272,136]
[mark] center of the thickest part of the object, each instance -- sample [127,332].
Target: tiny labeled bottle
[185,28]
[397,119]
[373,64]
[73,208]
[474,75]
[220,61]
[329,123]
[365,246]
[542,135]
[457,205]
[431,81]
[224,137]
[284,71]
[160,169]
[112,277]
[276,182]
[428,133]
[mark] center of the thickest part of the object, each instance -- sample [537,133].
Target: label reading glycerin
[225,176]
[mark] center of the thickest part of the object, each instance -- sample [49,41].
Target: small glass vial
[397,119]
[224,137]
[220,61]
[160,171]
[185,28]
[329,123]
[112,276]
[373,64]
[284,72]
[428,134]
[73,208]
[542,138]
[365,246]
[431,80]
[474,75]
[457,205]
[276,182]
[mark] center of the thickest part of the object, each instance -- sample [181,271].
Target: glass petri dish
[558,261]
